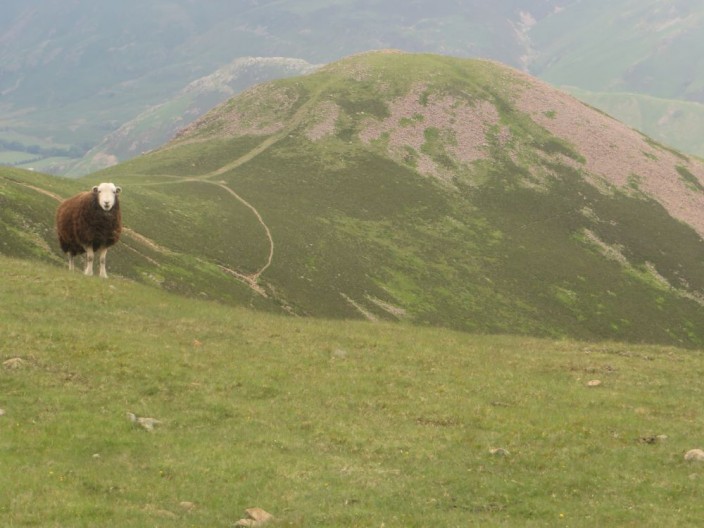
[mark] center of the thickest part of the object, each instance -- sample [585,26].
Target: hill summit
[426,189]
[400,101]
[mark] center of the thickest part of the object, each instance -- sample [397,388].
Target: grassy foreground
[325,423]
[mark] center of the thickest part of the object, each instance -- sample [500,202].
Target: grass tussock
[326,423]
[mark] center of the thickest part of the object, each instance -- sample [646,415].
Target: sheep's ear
[118,189]
[95,189]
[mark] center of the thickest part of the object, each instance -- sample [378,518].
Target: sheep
[90,221]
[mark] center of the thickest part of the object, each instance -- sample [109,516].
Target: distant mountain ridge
[73,75]
[416,188]
[159,124]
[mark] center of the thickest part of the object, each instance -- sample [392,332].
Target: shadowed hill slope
[424,189]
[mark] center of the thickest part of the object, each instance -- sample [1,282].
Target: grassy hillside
[439,198]
[28,203]
[510,241]
[325,423]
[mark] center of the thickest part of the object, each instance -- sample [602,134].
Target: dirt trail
[38,189]
[270,258]
[251,280]
[147,241]
[264,145]
[292,124]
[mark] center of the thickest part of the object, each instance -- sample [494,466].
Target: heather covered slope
[429,190]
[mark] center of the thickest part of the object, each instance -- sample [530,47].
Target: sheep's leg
[103,253]
[71,265]
[89,261]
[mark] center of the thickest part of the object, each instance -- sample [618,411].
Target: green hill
[325,423]
[414,188]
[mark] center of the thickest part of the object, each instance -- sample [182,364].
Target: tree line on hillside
[73,151]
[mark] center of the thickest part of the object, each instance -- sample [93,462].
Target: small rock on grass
[13,363]
[694,455]
[255,517]
[654,439]
[143,421]
[499,452]
[338,353]
[594,383]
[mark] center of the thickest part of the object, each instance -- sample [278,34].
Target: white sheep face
[107,194]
